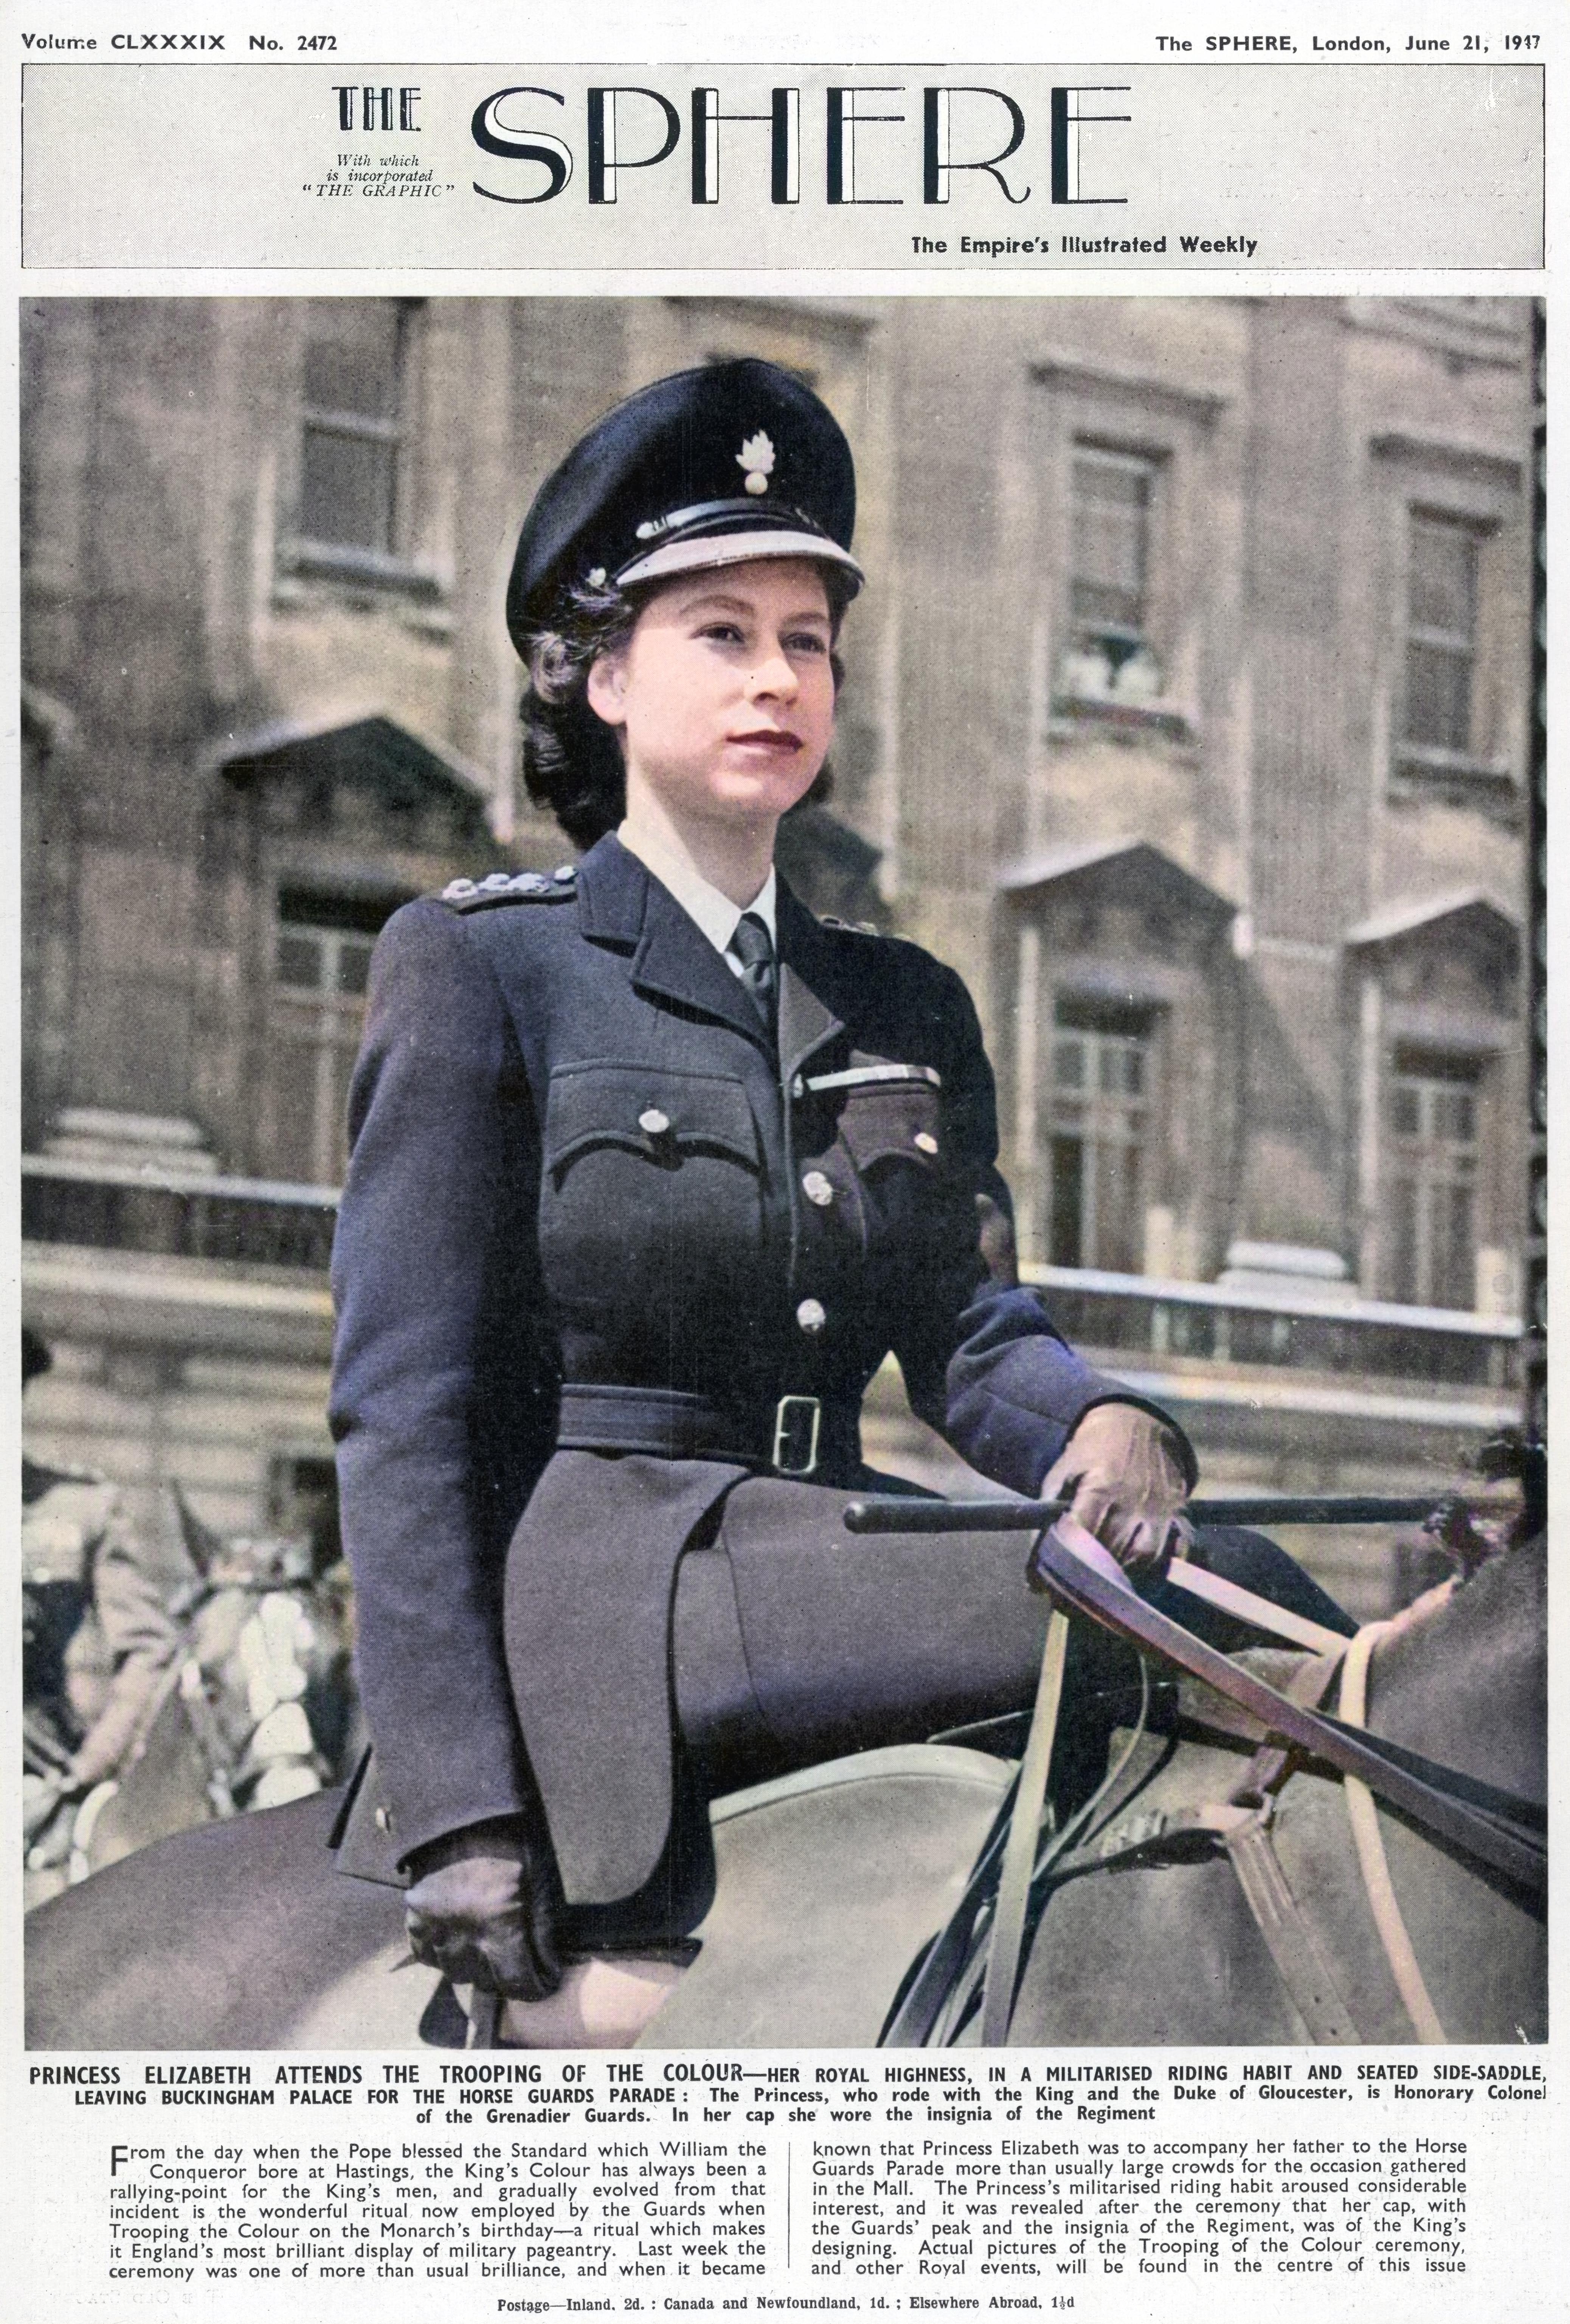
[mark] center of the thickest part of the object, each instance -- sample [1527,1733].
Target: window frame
[324,1019]
[1478,490]
[1101,1120]
[1457,644]
[1086,453]
[1417,1160]
[305,555]
[1169,430]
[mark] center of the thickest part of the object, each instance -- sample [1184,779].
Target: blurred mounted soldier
[99,1652]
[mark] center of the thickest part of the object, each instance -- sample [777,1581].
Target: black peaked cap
[742,456]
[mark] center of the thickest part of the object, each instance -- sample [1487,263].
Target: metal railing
[1210,1322]
[180,1214]
[262,1222]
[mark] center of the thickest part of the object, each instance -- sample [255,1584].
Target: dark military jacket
[577,1158]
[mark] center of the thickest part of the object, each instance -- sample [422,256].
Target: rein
[1364,1819]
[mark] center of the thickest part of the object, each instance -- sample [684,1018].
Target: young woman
[650,1171]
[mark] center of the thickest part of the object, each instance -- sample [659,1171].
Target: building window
[1100,1113]
[321,967]
[1110,550]
[1434,1171]
[1112,506]
[357,357]
[1441,633]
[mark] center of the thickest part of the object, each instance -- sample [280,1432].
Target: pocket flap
[887,1121]
[652,1111]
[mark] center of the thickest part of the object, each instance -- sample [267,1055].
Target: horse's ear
[202,1544]
[1513,1453]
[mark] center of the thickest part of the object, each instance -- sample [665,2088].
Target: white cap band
[738,548]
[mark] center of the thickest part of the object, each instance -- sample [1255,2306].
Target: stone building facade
[1186,713]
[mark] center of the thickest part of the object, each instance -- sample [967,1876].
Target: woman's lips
[768,738]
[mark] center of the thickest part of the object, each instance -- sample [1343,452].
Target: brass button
[925,1141]
[817,1189]
[812,1316]
[653,1121]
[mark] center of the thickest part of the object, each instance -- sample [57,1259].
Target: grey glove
[1123,1470]
[481,1908]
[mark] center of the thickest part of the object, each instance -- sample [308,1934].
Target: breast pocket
[915,1219]
[888,1124]
[650,1199]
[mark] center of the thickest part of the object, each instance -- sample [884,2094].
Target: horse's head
[263,1562]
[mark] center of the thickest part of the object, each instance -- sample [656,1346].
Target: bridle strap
[1229,1597]
[1373,1862]
[1013,1902]
[1499,1841]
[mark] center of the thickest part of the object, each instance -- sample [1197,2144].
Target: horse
[833,1880]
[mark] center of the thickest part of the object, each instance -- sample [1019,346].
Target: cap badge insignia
[597,577]
[757,457]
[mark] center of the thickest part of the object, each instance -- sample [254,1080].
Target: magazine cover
[782,1034]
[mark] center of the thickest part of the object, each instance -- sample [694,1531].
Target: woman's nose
[773,673]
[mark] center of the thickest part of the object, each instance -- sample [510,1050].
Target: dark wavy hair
[572,761]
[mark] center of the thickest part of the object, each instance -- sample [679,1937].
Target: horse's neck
[1467,1684]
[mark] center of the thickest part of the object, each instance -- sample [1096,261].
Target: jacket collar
[619,902]
[612,890]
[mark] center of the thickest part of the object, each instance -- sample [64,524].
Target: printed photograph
[783,1178]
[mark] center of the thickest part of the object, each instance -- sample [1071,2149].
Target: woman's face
[724,694]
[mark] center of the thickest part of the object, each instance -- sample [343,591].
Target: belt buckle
[795,1417]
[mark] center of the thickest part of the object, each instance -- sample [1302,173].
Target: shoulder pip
[557,887]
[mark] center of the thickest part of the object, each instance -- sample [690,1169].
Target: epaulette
[557,887]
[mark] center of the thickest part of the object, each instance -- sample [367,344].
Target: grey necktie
[753,947]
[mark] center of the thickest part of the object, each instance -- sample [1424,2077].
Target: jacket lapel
[619,902]
[807,1022]
[675,962]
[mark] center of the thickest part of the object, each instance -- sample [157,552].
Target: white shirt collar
[715,913]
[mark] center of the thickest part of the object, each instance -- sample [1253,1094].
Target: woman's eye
[806,642]
[726,632]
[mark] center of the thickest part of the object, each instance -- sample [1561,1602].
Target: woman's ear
[605,686]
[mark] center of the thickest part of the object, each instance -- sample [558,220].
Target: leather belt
[787,1440]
